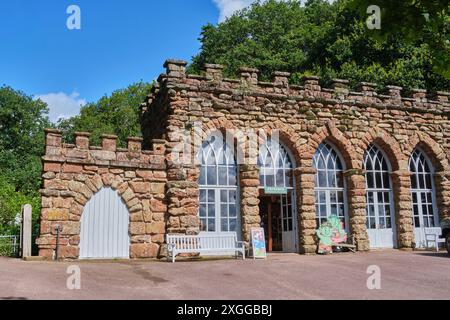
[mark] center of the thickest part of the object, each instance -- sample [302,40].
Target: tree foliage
[322,38]
[22,124]
[115,114]
[417,21]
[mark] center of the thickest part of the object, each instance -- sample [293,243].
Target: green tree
[417,21]
[330,40]
[22,124]
[115,114]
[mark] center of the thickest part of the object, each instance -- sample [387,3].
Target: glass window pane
[224,225]
[323,211]
[211,225]
[382,225]
[322,179]
[202,180]
[203,210]
[203,196]
[323,197]
[223,171]
[332,179]
[333,197]
[414,184]
[422,181]
[211,211]
[224,210]
[211,176]
[379,183]
[233,225]
[223,196]
[417,222]
[232,174]
[386,181]
[203,225]
[211,196]
[370,180]
[233,210]
[428,185]
[280,178]
[233,195]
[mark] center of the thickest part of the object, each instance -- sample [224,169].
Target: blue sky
[120,42]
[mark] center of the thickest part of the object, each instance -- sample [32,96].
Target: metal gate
[104,227]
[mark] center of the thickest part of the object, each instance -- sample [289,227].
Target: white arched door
[380,207]
[104,227]
[276,171]
[425,213]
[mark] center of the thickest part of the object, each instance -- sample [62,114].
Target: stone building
[228,155]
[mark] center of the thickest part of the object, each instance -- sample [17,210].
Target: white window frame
[419,191]
[377,191]
[208,149]
[329,190]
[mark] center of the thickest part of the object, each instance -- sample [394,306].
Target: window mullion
[217,211]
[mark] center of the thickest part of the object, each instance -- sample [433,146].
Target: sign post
[258,243]
[26,231]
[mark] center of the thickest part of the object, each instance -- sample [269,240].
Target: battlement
[108,154]
[247,82]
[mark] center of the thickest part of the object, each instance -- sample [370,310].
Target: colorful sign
[258,243]
[331,233]
[275,191]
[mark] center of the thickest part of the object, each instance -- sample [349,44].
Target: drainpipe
[58,230]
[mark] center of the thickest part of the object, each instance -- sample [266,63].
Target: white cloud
[228,7]
[62,105]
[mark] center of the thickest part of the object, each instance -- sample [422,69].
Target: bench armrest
[240,244]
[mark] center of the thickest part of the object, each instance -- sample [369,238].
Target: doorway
[279,223]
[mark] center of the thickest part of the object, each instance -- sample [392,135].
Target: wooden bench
[350,246]
[204,244]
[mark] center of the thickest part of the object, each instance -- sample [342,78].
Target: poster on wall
[258,243]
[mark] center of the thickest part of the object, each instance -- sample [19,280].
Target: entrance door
[279,224]
[104,227]
[289,226]
[380,221]
[426,217]
[380,205]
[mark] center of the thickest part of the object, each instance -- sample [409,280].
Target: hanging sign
[258,243]
[275,191]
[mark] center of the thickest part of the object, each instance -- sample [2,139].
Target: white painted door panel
[104,227]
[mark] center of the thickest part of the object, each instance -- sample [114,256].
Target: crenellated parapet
[108,154]
[247,82]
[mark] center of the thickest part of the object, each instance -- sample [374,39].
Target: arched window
[379,190]
[330,185]
[218,186]
[275,165]
[275,170]
[423,192]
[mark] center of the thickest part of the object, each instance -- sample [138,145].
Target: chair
[433,235]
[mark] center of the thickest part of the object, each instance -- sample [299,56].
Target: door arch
[105,227]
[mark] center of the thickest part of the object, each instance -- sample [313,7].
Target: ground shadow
[433,254]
